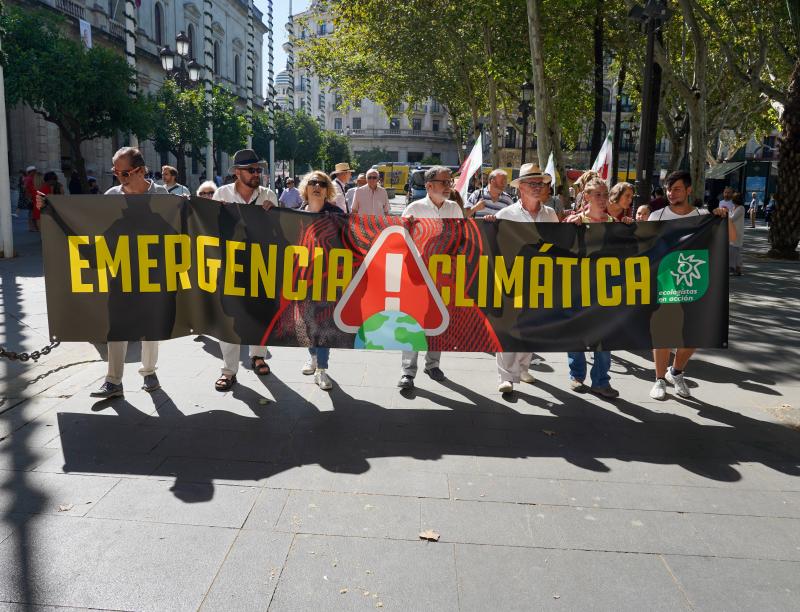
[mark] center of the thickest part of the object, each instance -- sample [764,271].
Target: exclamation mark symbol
[393,273]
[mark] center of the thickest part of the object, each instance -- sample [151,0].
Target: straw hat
[531,171]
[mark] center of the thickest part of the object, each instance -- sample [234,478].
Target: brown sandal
[260,370]
[223,383]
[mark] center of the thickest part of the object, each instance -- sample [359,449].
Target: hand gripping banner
[157,267]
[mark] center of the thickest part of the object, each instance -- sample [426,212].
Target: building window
[435,107]
[606,100]
[511,138]
[337,124]
[190,35]
[322,29]
[158,32]
[337,101]
[435,125]
[394,125]
[416,124]
[236,62]
[356,123]
[216,57]
[321,102]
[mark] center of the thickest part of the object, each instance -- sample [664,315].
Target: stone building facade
[32,140]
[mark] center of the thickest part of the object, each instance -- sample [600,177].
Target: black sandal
[223,383]
[260,370]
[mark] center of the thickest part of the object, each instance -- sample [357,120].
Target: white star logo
[688,270]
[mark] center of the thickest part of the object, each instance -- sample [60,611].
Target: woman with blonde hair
[319,196]
[580,185]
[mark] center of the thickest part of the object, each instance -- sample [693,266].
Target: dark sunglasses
[203,193]
[254,170]
[318,183]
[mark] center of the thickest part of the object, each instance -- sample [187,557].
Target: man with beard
[246,189]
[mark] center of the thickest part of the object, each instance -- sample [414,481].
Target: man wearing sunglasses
[129,169]
[246,189]
[435,205]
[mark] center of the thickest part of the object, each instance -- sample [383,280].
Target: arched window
[216,57]
[236,68]
[190,34]
[158,33]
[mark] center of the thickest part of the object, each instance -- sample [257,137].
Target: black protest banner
[158,267]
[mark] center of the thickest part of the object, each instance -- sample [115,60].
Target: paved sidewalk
[280,496]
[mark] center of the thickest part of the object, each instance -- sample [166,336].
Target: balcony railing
[71,8]
[378,133]
[116,29]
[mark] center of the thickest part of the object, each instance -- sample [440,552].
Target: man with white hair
[491,198]
[370,199]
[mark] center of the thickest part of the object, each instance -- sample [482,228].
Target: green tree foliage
[180,121]
[297,137]
[82,91]
[334,149]
[364,160]
[230,125]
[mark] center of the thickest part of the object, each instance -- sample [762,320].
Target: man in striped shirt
[490,199]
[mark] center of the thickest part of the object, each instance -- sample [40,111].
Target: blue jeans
[600,367]
[321,353]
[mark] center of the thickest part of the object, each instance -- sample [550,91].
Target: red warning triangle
[392,277]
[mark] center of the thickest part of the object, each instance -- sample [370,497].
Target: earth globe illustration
[391,330]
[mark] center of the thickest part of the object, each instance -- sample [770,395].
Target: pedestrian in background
[342,173]
[290,198]
[170,178]
[736,217]
[370,198]
[753,209]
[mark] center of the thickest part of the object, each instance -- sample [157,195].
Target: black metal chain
[32,356]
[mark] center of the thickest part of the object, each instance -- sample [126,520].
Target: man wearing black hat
[246,189]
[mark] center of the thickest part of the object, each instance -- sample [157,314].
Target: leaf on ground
[342,591]
[379,604]
[430,535]
[263,401]
[548,432]
[65,507]
[556,596]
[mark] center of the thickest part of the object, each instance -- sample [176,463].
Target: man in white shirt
[435,205]
[371,199]
[727,199]
[361,180]
[341,174]
[171,184]
[679,194]
[246,189]
[533,186]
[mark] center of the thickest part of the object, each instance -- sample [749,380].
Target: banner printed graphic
[159,267]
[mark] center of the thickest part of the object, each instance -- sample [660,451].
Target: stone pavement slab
[507,578]
[106,564]
[353,573]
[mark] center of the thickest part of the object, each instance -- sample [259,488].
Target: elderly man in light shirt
[533,186]
[371,199]
[435,205]
[247,189]
[361,180]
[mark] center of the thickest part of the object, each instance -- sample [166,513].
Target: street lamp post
[654,14]
[187,73]
[632,131]
[526,94]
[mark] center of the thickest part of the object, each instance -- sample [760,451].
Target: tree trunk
[698,144]
[180,163]
[548,134]
[597,126]
[492,89]
[74,142]
[784,230]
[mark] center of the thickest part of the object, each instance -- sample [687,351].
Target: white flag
[551,168]
[602,165]
[470,166]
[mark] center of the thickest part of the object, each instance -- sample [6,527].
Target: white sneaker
[505,387]
[526,377]
[323,380]
[659,390]
[310,366]
[677,381]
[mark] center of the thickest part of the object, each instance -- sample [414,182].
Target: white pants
[410,361]
[511,365]
[230,356]
[116,359]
